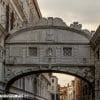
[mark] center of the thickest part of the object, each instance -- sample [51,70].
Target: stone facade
[82,90]
[95,43]
[52,47]
[46,46]
[63,93]
[15,13]
[54,88]
[71,91]
[38,85]
[36,44]
[86,91]
[78,90]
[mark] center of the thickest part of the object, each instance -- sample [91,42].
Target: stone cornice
[46,43]
[49,27]
[53,65]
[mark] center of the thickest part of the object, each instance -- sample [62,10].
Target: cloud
[84,11]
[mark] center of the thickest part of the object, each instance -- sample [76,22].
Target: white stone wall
[56,39]
[54,84]
[80,54]
[17,51]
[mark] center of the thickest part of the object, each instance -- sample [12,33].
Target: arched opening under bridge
[21,75]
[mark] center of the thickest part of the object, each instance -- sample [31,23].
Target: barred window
[32,51]
[67,51]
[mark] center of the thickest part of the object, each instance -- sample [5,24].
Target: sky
[64,79]
[86,12]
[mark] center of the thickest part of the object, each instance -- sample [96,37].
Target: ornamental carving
[9,74]
[49,36]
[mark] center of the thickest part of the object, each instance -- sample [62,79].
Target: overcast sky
[86,12]
[64,79]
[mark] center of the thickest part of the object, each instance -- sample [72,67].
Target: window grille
[67,51]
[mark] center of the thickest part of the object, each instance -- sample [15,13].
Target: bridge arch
[85,74]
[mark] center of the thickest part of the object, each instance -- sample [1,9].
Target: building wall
[3,34]
[83,90]
[78,89]
[63,93]
[2,14]
[22,52]
[19,48]
[86,91]
[71,90]
[36,84]
[54,88]
[95,43]
[97,71]
[1,64]
[14,14]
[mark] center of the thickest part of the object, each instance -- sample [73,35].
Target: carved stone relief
[49,36]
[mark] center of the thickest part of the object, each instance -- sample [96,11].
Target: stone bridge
[58,48]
